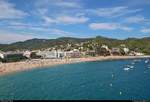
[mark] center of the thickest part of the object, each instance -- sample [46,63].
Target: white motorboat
[133,63]
[126,69]
[110,84]
[131,66]
[146,61]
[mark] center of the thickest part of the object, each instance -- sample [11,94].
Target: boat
[131,66]
[110,84]
[126,69]
[120,93]
[146,61]
[133,63]
[112,75]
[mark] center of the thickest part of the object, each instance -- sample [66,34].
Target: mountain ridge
[34,44]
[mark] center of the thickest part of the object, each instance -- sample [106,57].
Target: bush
[14,58]
[34,56]
[0,59]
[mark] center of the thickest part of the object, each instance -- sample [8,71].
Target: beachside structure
[11,53]
[47,54]
[34,55]
[51,54]
[27,54]
[115,51]
[60,54]
[103,50]
[91,53]
[133,53]
[139,54]
[126,50]
[1,55]
[122,45]
[73,54]
[12,56]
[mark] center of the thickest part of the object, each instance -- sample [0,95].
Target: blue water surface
[86,80]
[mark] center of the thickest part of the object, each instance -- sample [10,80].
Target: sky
[49,19]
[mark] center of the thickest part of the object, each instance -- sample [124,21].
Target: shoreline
[7,68]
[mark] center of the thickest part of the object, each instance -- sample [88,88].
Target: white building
[51,54]
[27,54]
[103,51]
[115,51]
[72,54]
[47,54]
[133,53]
[123,45]
[105,47]
[126,50]
[1,55]
[60,54]
[139,54]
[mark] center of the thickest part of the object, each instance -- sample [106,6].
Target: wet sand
[6,68]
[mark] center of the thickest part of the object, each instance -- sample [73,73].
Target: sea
[98,80]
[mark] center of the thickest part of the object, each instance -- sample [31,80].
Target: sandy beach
[6,68]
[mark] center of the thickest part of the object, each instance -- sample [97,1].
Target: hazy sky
[26,19]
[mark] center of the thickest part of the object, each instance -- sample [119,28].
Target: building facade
[1,55]
[115,52]
[27,54]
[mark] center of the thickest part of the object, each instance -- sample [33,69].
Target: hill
[142,45]
[34,44]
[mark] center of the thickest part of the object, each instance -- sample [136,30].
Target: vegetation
[0,59]
[34,56]
[13,58]
[141,45]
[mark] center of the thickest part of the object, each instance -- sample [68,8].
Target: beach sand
[6,68]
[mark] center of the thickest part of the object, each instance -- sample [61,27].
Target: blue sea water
[86,80]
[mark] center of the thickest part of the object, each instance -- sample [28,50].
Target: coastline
[6,68]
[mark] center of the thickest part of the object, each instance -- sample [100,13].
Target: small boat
[146,61]
[110,84]
[120,93]
[131,66]
[112,75]
[133,63]
[126,69]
